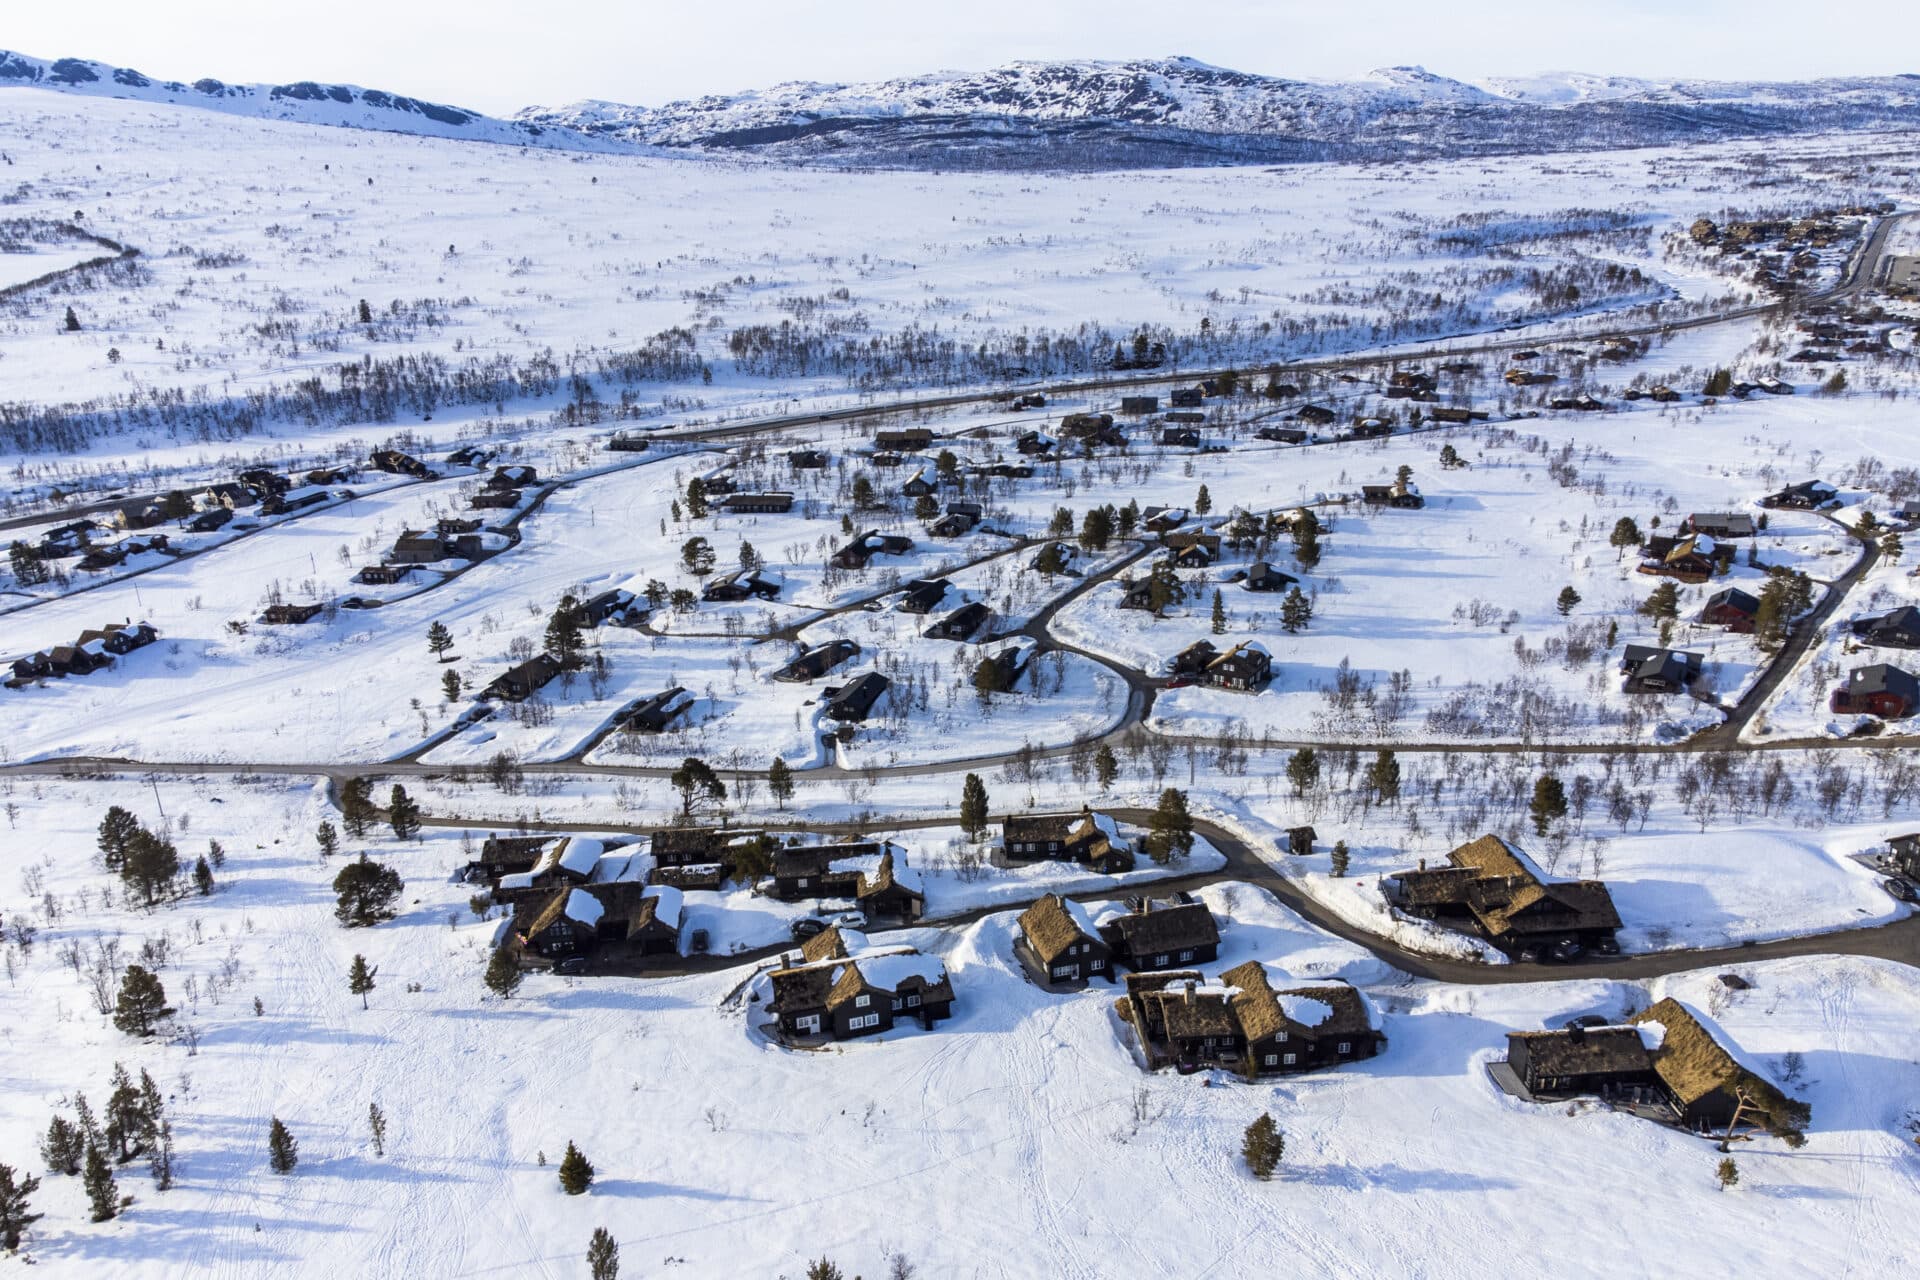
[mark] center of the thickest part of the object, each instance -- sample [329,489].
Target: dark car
[699,942]
[571,965]
[1585,1022]
[1568,949]
[1901,889]
[807,927]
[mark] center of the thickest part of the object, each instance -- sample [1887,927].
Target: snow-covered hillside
[348,106]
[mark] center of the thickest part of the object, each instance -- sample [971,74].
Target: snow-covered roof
[1304,1010]
[890,970]
[668,910]
[579,854]
[518,880]
[584,907]
[1078,914]
[1652,1034]
[305,491]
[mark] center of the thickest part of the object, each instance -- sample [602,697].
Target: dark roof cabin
[1264,577]
[1882,690]
[1659,671]
[1059,944]
[1159,936]
[817,661]
[287,614]
[922,595]
[960,624]
[855,701]
[656,712]
[1719,524]
[1492,886]
[522,681]
[1899,629]
[1731,608]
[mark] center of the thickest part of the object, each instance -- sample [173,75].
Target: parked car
[1607,947]
[1901,889]
[1585,1022]
[571,965]
[806,927]
[699,941]
[1568,949]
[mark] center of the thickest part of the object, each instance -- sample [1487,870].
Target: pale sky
[500,55]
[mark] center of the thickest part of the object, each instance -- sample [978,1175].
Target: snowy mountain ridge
[1090,114]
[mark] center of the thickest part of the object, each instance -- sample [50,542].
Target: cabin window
[861,1002]
[1291,1058]
[864,1021]
[1346,1046]
[1062,970]
[913,1002]
[1096,964]
[1053,846]
[1158,961]
[1273,1060]
[801,883]
[1185,956]
[896,1004]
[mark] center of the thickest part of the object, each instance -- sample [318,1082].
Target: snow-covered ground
[708,1140]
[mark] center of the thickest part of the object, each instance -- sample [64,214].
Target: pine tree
[1295,611]
[1339,859]
[29,567]
[1170,828]
[973,806]
[63,1148]
[403,815]
[1549,803]
[1202,501]
[926,508]
[72,326]
[1303,770]
[1566,601]
[1383,777]
[203,877]
[576,1175]
[986,679]
[283,1152]
[103,1194]
[1263,1146]
[1450,458]
[1891,547]
[126,1127]
[439,640]
[1727,1173]
[366,312]
[360,978]
[603,1256]
[503,973]
[1625,534]
[1719,383]
[1663,604]
[450,685]
[566,630]
[780,781]
[696,554]
[365,893]
[1096,528]
[327,838]
[160,1158]
[1219,613]
[142,1002]
[824,1269]
[116,830]
[356,806]
[150,864]
[377,1128]
[15,1211]
[697,498]
[1105,767]
[695,780]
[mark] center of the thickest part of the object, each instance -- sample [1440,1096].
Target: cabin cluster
[1241,1022]
[579,896]
[1663,1062]
[94,650]
[1090,839]
[76,541]
[1494,889]
[872,874]
[1245,668]
[839,986]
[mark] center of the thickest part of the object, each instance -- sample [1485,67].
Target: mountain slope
[306,101]
[1179,104]
[1150,112]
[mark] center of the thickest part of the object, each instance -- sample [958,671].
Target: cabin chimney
[1190,987]
[1423,864]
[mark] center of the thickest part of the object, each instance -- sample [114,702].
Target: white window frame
[1346,1046]
[862,1001]
[1290,1059]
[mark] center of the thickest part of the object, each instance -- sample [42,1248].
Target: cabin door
[807,1024]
